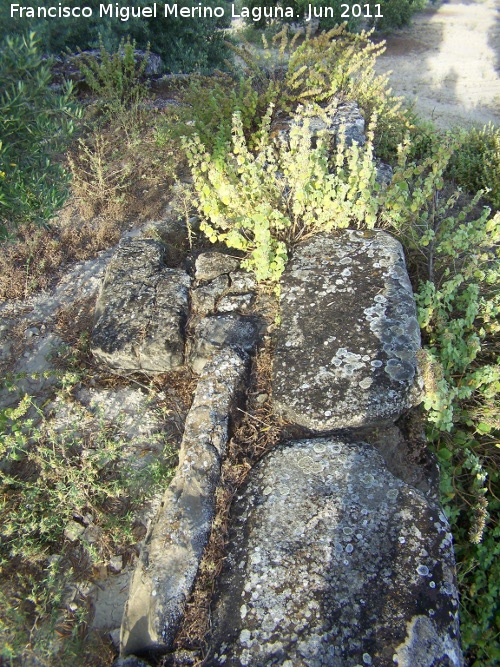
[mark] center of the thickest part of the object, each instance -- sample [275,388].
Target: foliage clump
[187,44]
[35,125]
[56,477]
[262,202]
[475,164]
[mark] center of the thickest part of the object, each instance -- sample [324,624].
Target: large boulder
[335,562]
[346,348]
[141,310]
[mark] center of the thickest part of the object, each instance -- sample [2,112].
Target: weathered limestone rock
[335,562]
[169,561]
[204,299]
[141,310]
[210,265]
[220,286]
[345,353]
[346,118]
[219,332]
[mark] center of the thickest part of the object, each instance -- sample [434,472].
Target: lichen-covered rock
[210,265]
[169,560]
[141,310]
[334,562]
[218,332]
[344,118]
[204,299]
[345,352]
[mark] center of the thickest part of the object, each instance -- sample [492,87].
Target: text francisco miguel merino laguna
[126,12]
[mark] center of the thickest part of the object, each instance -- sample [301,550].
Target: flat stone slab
[169,560]
[345,351]
[334,562]
[141,310]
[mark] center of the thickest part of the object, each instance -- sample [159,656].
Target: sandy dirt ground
[448,62]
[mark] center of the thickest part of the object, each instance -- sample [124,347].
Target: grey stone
[204,299]
[169,560]
[235,302]
[73,531]
[242,282]
[210,265]
[115,564]
[345,351]
[141,310]
[335,562]
[218,332]
[342,118]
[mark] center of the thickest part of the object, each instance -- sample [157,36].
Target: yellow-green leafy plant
[264,201]
[331,65]
[459,312]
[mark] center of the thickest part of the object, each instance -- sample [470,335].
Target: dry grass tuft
[37,258]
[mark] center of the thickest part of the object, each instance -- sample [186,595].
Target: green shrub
[333,64]
[475,164]
[397,13]
[211,103]
[35,124]
[185,44]
[459,313]
[51,474]
[454,250]
[264,201]
[116,78]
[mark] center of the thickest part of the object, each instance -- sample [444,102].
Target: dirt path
[448,62]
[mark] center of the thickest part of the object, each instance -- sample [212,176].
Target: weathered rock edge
[334,562]
[169,559]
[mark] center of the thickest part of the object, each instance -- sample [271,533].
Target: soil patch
[448,63]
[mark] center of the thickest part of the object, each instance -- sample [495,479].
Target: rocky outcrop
[169,560]
[335,562]
[141,310]
[340,554]
[345,351]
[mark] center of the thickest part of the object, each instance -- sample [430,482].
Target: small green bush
[460,315]
[397,13]
[185,44]
[211,103]
[51,474]
[35,125]
[264,201]
[333,64]
[116,78]
[475,164]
